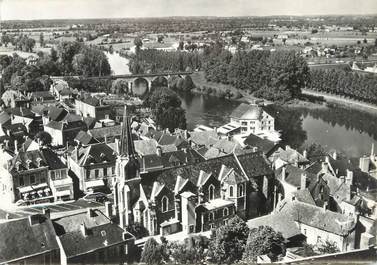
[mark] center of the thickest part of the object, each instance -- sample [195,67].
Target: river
[347,130]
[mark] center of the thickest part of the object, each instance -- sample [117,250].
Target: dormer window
[39,160]
[28,162]
[18,165]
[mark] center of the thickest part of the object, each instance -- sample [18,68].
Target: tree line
[276,76]
[344,83]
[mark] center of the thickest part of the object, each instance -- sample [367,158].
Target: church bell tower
[127,174]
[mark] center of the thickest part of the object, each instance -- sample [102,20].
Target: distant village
[83,174]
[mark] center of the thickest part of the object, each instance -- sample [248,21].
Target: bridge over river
[133,80]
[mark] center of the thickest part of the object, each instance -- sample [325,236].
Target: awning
[62,193]
[94,183]
[39,186]
[25,189]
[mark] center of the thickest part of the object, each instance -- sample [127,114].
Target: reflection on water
[119,65]
[346,130]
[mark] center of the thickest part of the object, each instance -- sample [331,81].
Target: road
[338,99]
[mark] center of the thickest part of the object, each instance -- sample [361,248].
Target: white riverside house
[252,119]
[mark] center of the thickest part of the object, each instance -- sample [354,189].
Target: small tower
[127,174]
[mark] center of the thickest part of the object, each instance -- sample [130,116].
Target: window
[32,179]
[305,232]
[318,239]
[211,192]
[52,175]
[113,170]
[21,180]
[244,123]
[57,175]
[225,212]
[105,171]
[240,190]
[231,191]
[96,173]
[211,216]
[88,174]
[165,204]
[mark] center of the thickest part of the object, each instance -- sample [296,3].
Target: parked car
[96,197]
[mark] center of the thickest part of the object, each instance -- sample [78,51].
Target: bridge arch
[140,86]
[159,81]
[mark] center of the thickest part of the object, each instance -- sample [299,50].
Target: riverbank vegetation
[352,85]
[166,107]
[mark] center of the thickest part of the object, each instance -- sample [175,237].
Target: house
[319,225]
[92,107]
[66,130]
[30,240]
[83,138]
[106,134]
[288,155]
[61,90]
[252,119]
[32,177]
[94,166]
[92,238]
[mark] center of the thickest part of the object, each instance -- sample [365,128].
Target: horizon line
[191,16]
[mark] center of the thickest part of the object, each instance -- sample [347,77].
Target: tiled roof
[4,117]
[277,221]
[304,196]
[289,155]
[95,153]
[99,133]
[93,101]
[293,175]
[317,217]
[204,138]
[145,147]
[84,138]
[263,145]
[56,114]
[254,165]
[20,239]
[22,112]
[247,112]
[90,122]
[43,157]
[102,233]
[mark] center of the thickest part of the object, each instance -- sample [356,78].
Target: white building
[252,119]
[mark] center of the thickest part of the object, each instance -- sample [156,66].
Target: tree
[138,43]
[119,86]
[191,251]
[152,252]
[328,247]
[228,242]
[6,39]
[41,40]
[44,138]
[262,240]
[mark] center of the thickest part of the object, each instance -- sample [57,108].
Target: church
[190,198]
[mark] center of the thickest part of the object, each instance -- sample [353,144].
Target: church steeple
[127,147]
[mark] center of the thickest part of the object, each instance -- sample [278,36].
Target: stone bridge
[133,80]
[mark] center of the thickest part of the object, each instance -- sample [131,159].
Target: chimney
[324,206]
[46,212]
[105,138]
[159,151]
[303,181]
[305,153]
[335,155]
[83,229]
[108,209]
[7,216]
[77,153]
[283,173]
[185,134]
[15,146]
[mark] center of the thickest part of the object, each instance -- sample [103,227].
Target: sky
[60,9]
